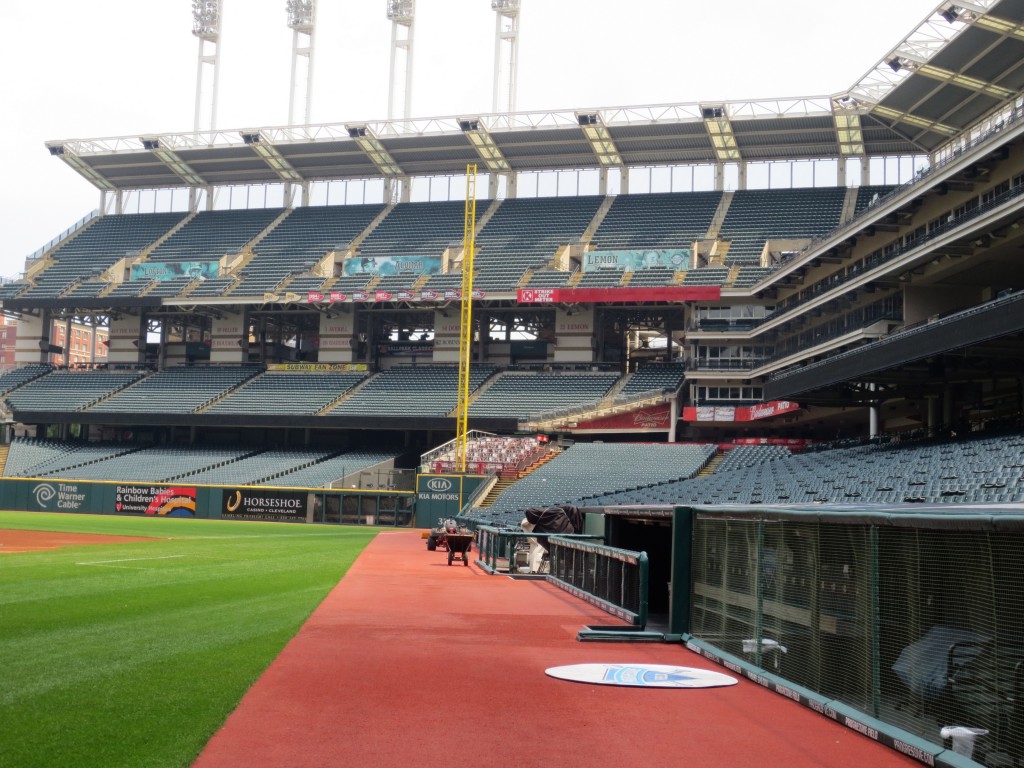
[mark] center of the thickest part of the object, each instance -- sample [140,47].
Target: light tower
[206,19]
[401,13]
[302,22]
[506,53]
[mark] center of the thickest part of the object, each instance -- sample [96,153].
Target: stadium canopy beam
[61,150]
[997,25]
[596,132]
[374,150]
[849,133]
[719,128]
[171,159]
[478,135]
[928,39]
[910,119]
[912,63]
[263,147]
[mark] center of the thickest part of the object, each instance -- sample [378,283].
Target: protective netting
[921,628]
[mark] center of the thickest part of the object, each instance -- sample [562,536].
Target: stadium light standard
[506,50]
[302,22]
[401,13]
[206,19]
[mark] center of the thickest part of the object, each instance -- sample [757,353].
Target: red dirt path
[409,662]
[35,541]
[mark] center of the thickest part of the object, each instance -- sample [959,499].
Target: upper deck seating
[415,390]
[869,195]
[758,215]
[526,394]
[215,286]
[525,233]
[662,220]
[287,392]
[300,241]
[599,278]
[749,276]
[63,391]
[209,235]
[653,378]
[99,246]
[417,229]
[178,389]
[16,377]
[706,276]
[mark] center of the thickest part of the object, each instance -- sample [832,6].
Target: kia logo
[439,484]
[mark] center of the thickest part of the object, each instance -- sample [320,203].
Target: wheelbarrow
[459,547]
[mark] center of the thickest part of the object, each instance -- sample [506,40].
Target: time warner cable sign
[58,497]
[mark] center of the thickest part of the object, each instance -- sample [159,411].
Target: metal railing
[614,580]
[497,546]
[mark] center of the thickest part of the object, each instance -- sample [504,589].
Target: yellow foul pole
[466,327]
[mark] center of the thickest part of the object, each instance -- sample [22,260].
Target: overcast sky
[73,69]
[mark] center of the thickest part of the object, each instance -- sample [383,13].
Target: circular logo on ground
[642,675]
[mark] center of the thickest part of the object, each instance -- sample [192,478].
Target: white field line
[127,560]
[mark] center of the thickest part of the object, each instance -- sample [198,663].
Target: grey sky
[74,69]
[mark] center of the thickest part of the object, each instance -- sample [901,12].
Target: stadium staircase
[734,272]
[504,481]
[482,221]
[353,247]
[344,396]
[712,466]
[540,462]
[251,245]
[591,230]
[849,205]
[723,208]
[4,450]
[144,254]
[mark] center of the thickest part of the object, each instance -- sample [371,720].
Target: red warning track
[35,541]
[411,662]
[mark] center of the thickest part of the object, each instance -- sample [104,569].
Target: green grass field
[134,654]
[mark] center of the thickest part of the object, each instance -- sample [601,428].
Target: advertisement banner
[630,261]
[597,295]
[742,413]
[171,270]
[170,501]
[264,504]
[316,367]
[392,265]
[657,418]
[59,497]
[405,348]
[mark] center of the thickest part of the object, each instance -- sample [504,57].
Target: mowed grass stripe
[118,667]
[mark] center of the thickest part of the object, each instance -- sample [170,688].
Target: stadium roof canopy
[960,65]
